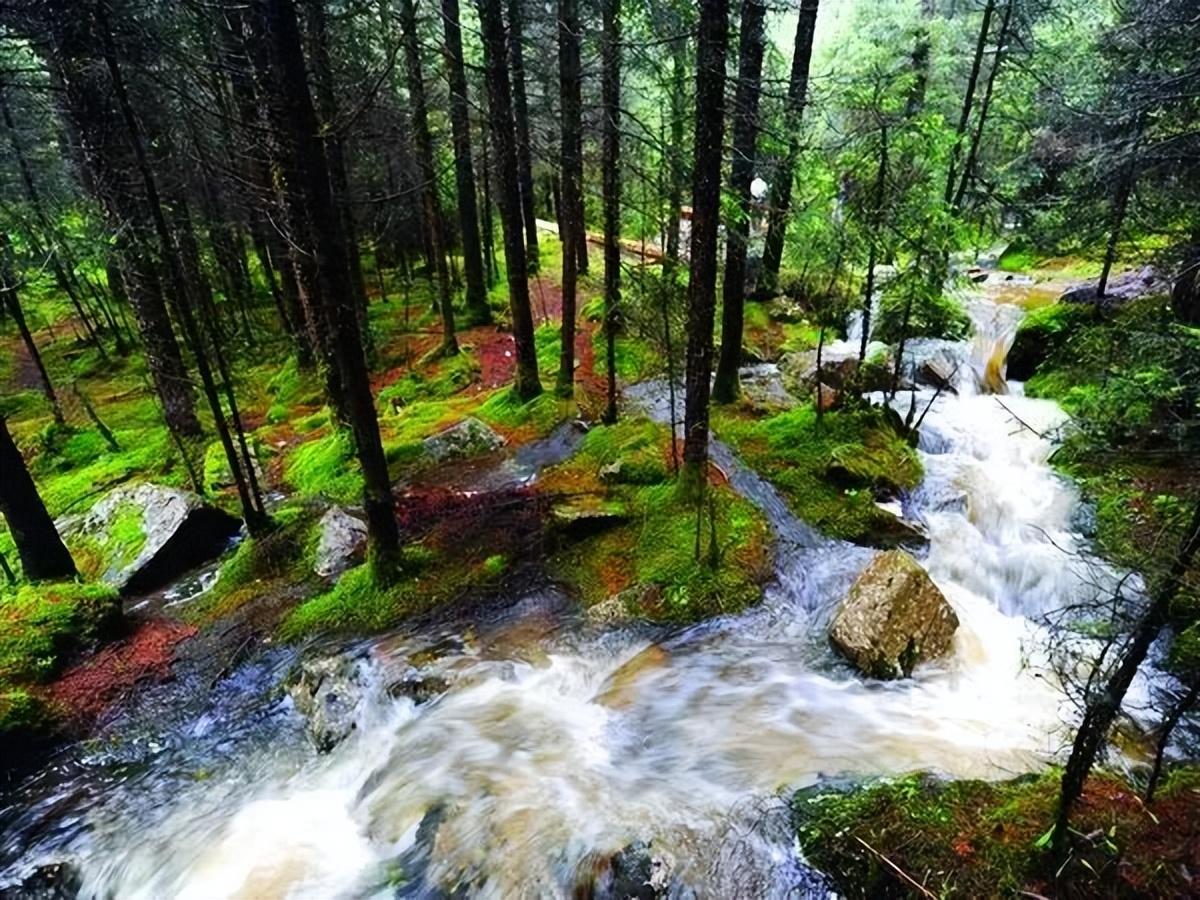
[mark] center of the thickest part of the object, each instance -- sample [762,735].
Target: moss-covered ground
[41,627]
[669,557]
[974,839]
[830,468]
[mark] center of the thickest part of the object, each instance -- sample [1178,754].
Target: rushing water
[556,739]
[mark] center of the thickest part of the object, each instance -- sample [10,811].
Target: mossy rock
[139,537]
[1041,334]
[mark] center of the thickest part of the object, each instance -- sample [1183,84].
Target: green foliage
[290,388]
[828,468]
[935,315]
[448,377]
[505,410]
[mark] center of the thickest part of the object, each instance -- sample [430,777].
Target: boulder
[470,437]
[1120,288]
[146,535]
[893,618]
[327,691]
[935,362]
[342,543]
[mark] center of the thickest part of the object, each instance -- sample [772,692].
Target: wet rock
[635,872]
[581,516]
[327,691]
[342,543]
[51,881]
[147,535]
[470,437]
[419,687]
[936,363]
[1120,288]
[893,618]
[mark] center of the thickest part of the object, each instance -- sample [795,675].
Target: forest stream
[553,740]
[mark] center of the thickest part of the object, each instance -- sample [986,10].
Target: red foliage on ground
[86,690]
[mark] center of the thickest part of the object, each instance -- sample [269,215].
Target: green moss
[444,379]
[505,410]
[985,839]
[22,711]
[325,467]
[279,560]
[654,551]
[828,469]
[637,359]
[358,604]
[41,625]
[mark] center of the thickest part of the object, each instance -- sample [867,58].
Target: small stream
[557,740]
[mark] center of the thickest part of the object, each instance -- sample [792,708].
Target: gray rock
[148,534]
[893,618]
[470,437]
[328,691]
[342,544]
[1120,288]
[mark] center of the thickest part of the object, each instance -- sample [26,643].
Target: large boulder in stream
[893,618]
[142,536]
[342,542]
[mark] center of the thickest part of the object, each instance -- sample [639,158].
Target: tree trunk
[430,205]
[610,61]
[327,109]
[43,554]
[508,189]
[1186,703]
[516,54]
[306,175]
[964,116]
[1120,206]
[12,303]
[570,104]
[873,252]
[968,170]
[676,170]
[1104,705]
[489,227]
[706,209]
[478,312]
[745,140]
[781,188]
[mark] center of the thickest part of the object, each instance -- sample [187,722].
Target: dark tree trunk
[570,105]
[873,252]
[1120,207]
[508,188]
[610,60]
[741,173]
[781,188]
[706,210]
[478,312]
[327,110]
[964,116]
[1185,704]
[968,171]
[516,52]
[430,204]
[43,554]
[676,170]
[489,227]
[312,206]
[1104,704]
[12,304]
